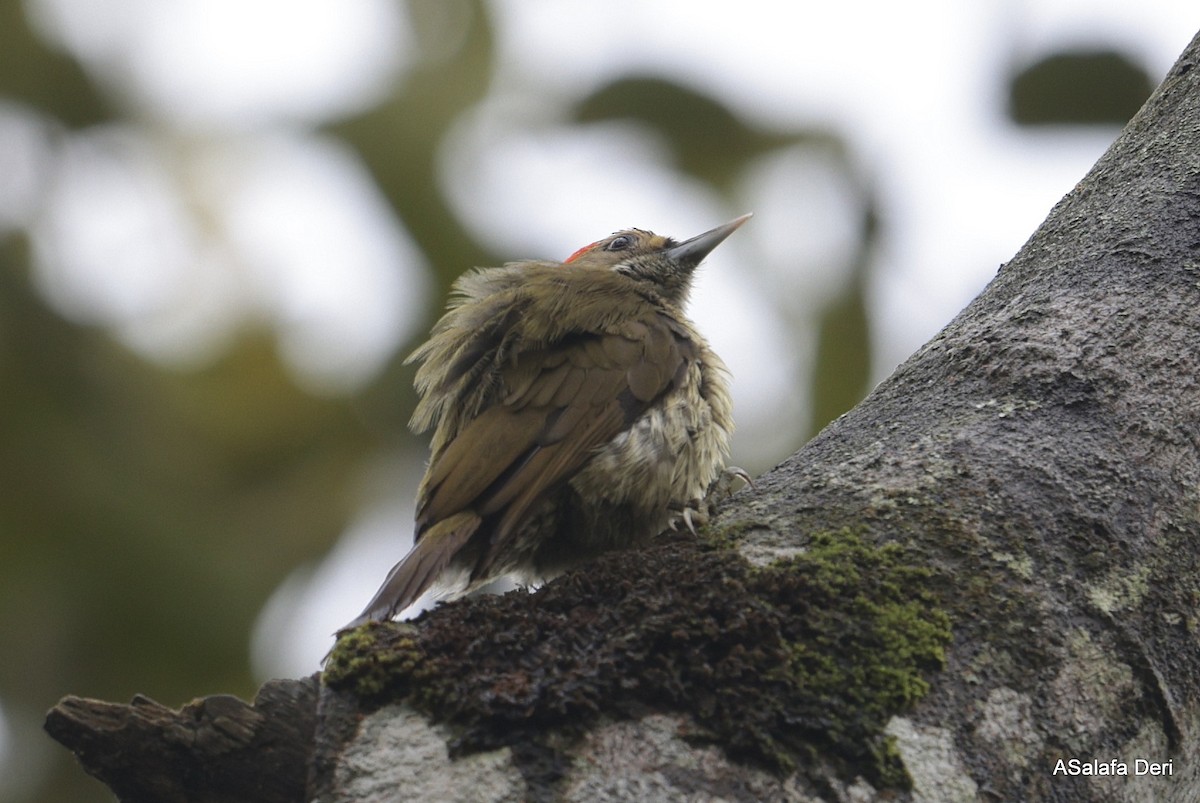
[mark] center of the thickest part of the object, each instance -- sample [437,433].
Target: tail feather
[417,571]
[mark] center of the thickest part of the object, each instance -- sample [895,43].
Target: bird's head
[660,261]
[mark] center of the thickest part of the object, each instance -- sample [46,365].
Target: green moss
[370,658]
[728,535]
[811,655]
[862,626]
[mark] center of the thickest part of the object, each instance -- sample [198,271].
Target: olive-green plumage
[574,407]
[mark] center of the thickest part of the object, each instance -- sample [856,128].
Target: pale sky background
[226,92]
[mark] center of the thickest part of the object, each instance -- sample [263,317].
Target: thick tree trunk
[981,583]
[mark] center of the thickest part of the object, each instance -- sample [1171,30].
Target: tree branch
[217,748]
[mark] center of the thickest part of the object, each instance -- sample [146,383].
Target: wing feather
[556,405]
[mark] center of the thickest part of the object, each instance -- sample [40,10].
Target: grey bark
[1041,456]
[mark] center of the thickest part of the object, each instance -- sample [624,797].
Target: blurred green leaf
[707,139]
[1079,88]
[33,73]
[843,363]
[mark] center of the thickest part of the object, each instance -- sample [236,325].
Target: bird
[575,410]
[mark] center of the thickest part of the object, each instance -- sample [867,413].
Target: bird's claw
[724,482]
[696,513]
[689,514]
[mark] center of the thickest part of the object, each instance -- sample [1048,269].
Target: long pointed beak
[691,253]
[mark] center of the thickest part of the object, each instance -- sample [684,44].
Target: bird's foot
[691,514]
[697,512]
[727,483]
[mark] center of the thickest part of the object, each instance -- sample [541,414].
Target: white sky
[287,228]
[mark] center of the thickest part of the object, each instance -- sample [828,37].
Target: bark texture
[1019,505]
[212,750]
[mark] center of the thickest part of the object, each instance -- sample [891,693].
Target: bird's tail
[417,571]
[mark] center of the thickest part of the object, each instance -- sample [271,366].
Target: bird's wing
[556,404]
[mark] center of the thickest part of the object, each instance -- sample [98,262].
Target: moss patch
[809,655]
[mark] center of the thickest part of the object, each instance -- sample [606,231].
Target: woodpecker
[575,410]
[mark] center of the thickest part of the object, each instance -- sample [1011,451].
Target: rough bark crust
[214,749]
[1039,461]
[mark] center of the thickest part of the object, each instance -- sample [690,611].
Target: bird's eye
[619,243]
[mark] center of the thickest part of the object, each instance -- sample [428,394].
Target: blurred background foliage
[148,510]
